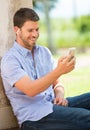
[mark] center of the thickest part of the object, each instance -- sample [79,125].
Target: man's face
[28,34]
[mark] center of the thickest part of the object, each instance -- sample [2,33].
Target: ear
[16,29]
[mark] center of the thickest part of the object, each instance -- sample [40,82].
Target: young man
[31,81]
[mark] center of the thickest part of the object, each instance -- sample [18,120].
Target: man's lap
[65,118]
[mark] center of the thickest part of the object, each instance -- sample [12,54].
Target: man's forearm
[59,90]
[33,87]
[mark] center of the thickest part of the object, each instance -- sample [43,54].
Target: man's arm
[58,88]
[59,94]
[34,87]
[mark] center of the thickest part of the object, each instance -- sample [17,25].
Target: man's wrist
[57,85]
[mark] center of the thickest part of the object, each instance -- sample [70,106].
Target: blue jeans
[74,117]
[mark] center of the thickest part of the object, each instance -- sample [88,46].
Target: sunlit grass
[77,81]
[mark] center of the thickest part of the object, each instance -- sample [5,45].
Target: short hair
[24,14]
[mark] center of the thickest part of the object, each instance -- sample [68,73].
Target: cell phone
[71,51]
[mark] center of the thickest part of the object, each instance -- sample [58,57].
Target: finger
[70,58]
[54,101]
[62,58]
[58,101]
[65,102]
[61,102]
[72,62]
[67,59]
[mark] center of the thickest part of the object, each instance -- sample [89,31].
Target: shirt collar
[24,51]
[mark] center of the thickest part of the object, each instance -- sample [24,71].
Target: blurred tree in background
[46,6]
[62,33]
[83,24]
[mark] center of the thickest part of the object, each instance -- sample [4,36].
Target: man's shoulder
[43,48]
[7,54]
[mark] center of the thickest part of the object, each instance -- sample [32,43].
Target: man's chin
[33,43]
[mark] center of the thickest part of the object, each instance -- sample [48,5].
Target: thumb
[54,101]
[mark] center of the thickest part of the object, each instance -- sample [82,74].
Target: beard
[29,44]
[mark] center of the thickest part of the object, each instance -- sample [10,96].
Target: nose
[35,33]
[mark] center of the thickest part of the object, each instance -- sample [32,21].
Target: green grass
[77,81]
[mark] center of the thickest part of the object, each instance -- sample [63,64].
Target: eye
[37,29]
[30,30]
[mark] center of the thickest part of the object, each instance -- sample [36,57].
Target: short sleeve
[11,70]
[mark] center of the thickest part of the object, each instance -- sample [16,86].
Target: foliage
[45,7]
[82,24]
[39,4]
[67,33]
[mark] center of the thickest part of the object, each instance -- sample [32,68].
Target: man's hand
[60,101]
[59,95]
[66,65]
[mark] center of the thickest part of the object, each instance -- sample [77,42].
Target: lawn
[78,81]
